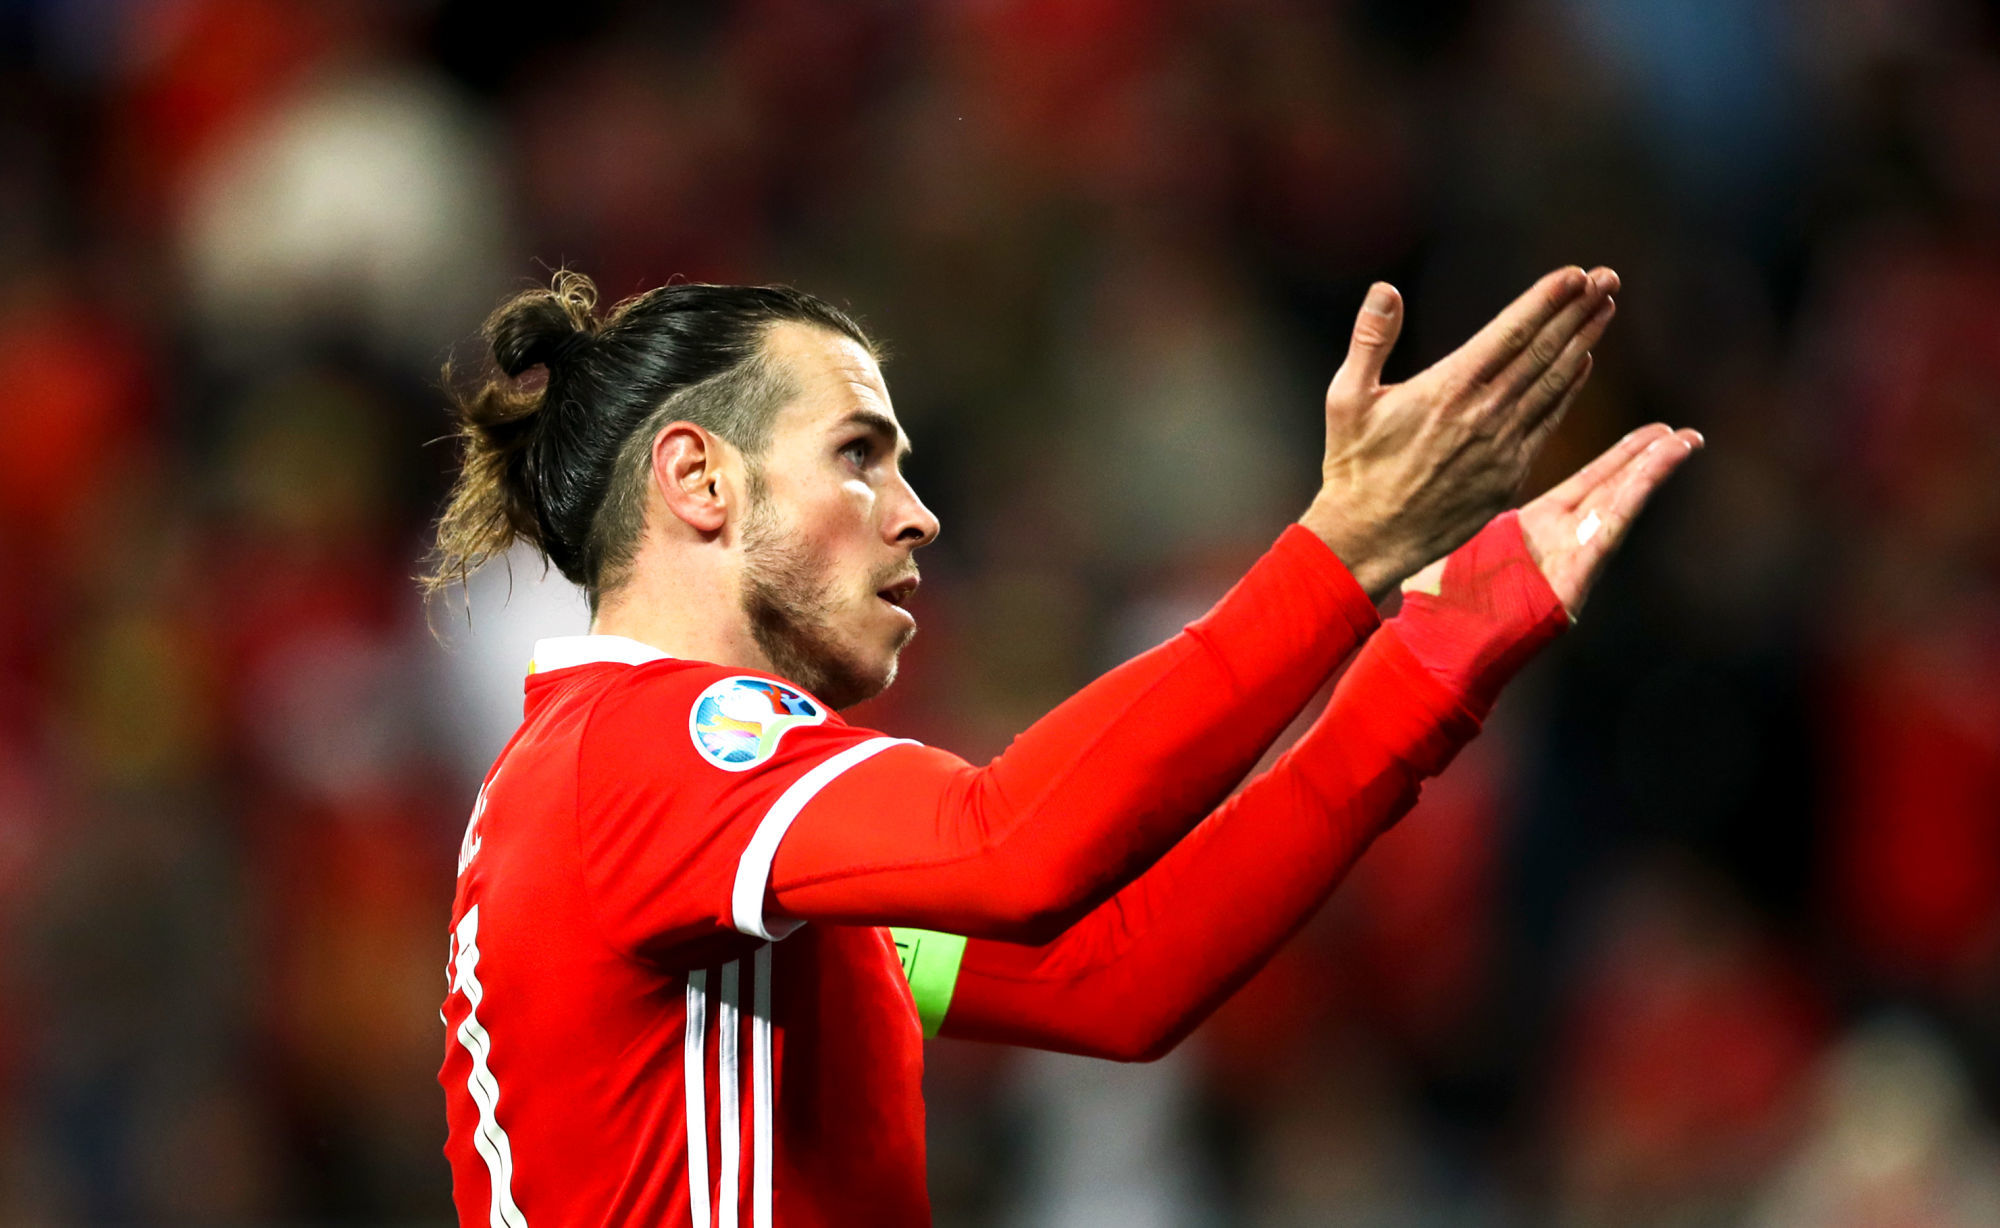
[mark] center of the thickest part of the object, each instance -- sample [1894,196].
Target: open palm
[1573,529]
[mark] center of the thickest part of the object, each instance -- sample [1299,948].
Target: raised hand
[1413,469]
[1573,529]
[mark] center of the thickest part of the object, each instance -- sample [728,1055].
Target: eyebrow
[881,424]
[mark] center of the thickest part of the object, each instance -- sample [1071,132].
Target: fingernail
[1700,440]
[1381,299]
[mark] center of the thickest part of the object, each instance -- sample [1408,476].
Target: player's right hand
[1414,469]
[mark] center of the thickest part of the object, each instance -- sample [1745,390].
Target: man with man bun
[702,924]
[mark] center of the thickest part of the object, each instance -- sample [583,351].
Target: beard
[788,596]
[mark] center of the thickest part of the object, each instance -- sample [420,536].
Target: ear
[688,472]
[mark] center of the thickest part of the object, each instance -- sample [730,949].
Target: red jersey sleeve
[686,778]
[1092,794]
[718,800]
[1135,976]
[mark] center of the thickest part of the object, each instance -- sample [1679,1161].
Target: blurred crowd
[1705,929]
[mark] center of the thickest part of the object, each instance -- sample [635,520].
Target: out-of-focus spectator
[1894,1139]
[368,205]
[1682,1060]
[1904,352]
[487,632]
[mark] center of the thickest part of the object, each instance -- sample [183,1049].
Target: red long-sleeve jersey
[672,999]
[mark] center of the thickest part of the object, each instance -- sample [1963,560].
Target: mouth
[899,593]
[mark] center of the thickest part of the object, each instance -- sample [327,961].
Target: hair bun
[544,327]
[562,465]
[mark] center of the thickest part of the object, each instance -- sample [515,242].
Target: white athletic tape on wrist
[1587,529]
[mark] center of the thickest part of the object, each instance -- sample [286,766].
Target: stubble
[788,598]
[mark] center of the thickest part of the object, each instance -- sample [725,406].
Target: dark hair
[562,462]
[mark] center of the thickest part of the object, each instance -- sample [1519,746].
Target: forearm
[1092,794]
[1140,972]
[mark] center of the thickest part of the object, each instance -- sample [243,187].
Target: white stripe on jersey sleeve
[694,1073]
[760,1088]
[729,1084]
[753,871]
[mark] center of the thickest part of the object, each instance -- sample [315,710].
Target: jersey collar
[569,651]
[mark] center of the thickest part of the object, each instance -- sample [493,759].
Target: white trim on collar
[569,651]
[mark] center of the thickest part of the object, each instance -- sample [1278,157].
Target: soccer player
[702,924]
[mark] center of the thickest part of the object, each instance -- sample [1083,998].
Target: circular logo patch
[736,723]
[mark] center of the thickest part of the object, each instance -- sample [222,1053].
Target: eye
[858,451]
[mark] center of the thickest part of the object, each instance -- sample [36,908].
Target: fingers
[1574,529]
[1554,363]
[1642,475]
[1376,328]
[1572,490]
[1540,432]
[1514,329]
[1650,471]
[1563,378]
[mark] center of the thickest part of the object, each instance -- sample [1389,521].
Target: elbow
[1153,1052]
[1029,908]
[1149,1034]
[1117,1023]
[1026,918]
[1138,1041]
[1158,1042]
[1133,1053]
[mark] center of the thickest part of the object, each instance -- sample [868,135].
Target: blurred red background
[1705,929]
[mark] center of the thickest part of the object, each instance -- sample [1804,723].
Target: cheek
[840,527]
[852,517]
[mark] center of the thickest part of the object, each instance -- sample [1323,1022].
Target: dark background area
[1705,929]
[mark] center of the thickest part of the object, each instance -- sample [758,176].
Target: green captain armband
[930,964]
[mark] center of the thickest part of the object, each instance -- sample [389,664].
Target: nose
[910,522]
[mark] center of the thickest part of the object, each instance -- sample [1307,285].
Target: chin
[863,671]
[856,680]
[841,665]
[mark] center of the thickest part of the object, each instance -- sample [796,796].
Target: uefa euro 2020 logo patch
[736,723]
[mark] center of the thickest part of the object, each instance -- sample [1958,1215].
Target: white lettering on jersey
[489,1139]
[468,848]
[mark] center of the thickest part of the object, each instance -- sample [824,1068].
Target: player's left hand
[1573,529]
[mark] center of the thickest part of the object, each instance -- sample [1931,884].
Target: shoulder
[733,719]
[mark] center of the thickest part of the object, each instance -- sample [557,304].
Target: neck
[691,616]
